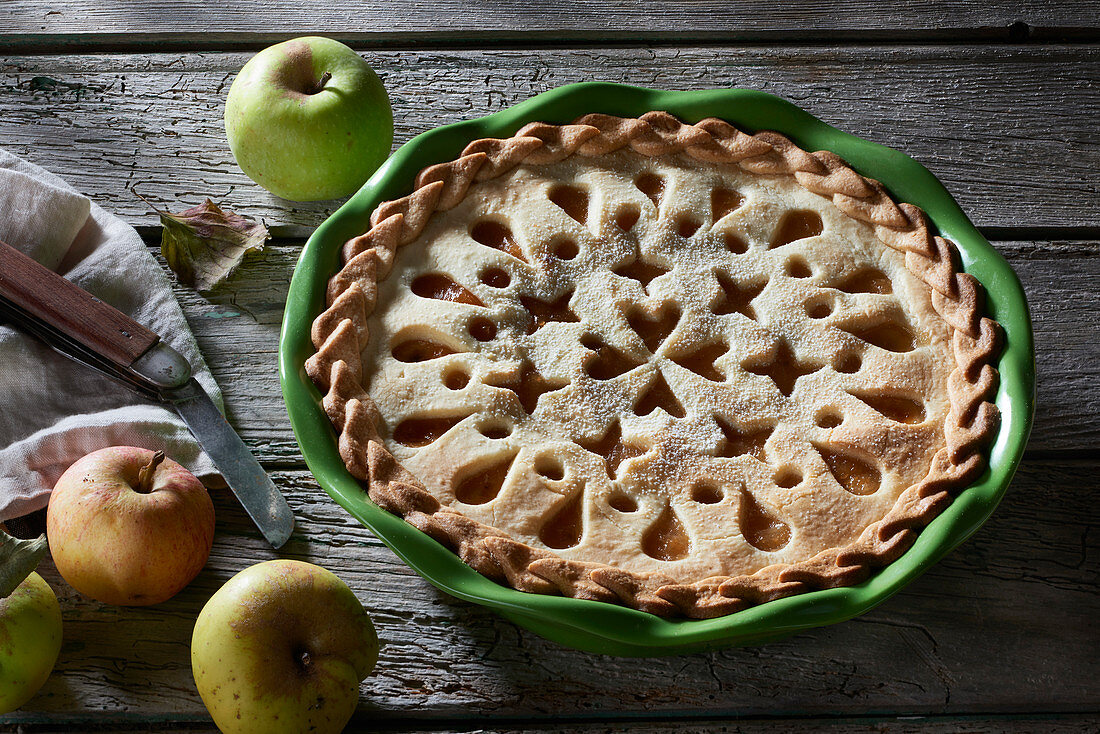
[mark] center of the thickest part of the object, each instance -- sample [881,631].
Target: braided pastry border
[341,331]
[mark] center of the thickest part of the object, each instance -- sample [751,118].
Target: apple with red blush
[129,526]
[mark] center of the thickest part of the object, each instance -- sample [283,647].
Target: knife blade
[85,329]
[244,475]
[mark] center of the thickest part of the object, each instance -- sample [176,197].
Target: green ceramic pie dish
[606,628]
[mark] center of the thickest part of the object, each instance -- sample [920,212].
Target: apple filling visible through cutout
[659,364]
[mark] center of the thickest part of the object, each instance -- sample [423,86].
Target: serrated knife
[84,328]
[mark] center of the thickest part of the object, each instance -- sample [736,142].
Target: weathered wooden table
[1000,99]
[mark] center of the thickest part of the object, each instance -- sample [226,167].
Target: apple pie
[677,367]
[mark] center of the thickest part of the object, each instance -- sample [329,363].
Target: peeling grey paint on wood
[1004,624]
[966,637]
[389,20]
[1000,126]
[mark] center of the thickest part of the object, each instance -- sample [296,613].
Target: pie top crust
[672,366]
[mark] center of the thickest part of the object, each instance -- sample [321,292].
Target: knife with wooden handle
[84,328]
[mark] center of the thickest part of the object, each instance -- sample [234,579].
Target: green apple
[128,526]
[281,647]
[308,119]
[30,638]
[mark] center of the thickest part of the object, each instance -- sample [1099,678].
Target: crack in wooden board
[231,22]
[925,651]
[107,122]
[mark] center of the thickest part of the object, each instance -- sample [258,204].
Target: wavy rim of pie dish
[801,582]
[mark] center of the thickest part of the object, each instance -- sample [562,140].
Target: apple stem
[324,80]
[145,474]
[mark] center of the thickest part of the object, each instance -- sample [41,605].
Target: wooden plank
[1020,156]
[1005,624]
[744,725]
[1049,724]
[238,330]
[176,24]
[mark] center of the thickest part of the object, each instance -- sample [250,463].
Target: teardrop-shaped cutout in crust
[760,526]
[496,277]
[612,449]
[819,308]
[495,430]
[895,407]
[484,484]
[565,528]
[867,280]
[482,329]
[847,363]
[855,474]
[627,217]
[622,502]
[443,288]
[736,298]
[687,226]
[417,432]
[565,249]
[456,380]
[706,492]
[666,539]
[787,477]
[798,268]
[419,350]
[550,467]
[743,441]
[701,361]
[723,202]
[492,233]
[796,225]
[654,331]
[735,243]
[658,394]
[653,186]
[889,335]
[828,418]
[572,200]
[608,361]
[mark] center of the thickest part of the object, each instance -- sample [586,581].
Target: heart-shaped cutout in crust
[654,325]
[673,368]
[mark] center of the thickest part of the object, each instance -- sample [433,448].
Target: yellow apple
[128,526]
[282,647]
[30,638]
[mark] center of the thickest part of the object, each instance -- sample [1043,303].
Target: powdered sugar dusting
[654,316]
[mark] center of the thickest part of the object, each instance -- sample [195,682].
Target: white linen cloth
[53,410]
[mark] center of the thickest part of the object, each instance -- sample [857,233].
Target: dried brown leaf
[205,244]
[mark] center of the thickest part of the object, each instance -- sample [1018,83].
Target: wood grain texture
[1002,127]
[966,638]
[160,22]
[39,293]
[869,725]
[1004,625]
[981,724]
[238,328]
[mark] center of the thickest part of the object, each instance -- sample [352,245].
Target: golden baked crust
[791,362]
